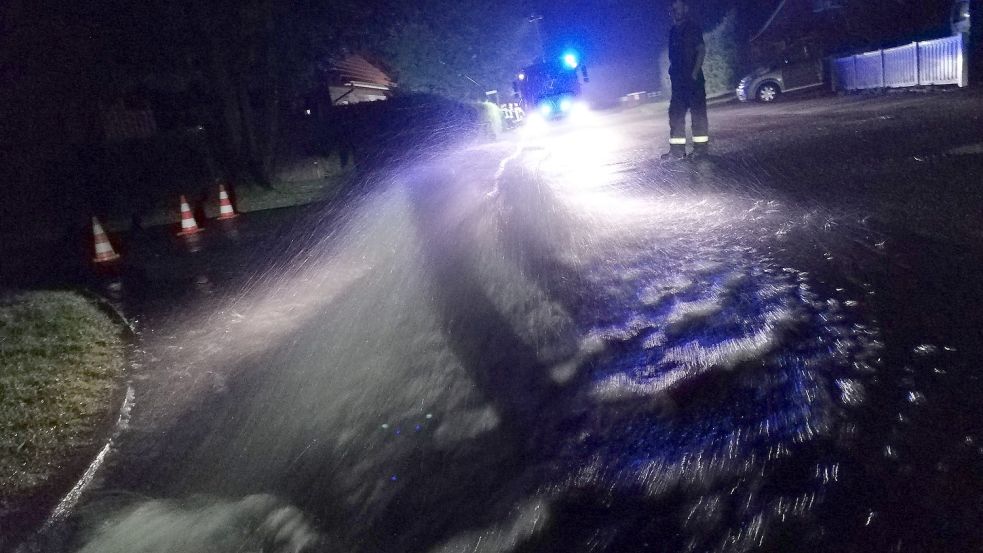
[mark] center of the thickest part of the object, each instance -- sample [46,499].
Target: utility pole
[535,19]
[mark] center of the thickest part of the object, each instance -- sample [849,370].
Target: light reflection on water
[719,372]
[570,361]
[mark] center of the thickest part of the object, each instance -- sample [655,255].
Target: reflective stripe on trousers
[688,96]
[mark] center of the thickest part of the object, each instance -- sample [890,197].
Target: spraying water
[489,350]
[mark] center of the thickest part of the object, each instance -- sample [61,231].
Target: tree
[234,65]
[454,48]
[252,55]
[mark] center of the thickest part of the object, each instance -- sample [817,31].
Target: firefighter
[686,54]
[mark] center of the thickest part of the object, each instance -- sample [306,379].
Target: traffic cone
[104,250]
[225,210]
[188,224]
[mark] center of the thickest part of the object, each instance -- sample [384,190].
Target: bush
[413,124]
[722,59]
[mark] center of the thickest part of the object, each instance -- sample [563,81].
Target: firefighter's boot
[676,151]
[701,150]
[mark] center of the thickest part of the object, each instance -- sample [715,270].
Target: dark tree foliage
[458,49]
[241,62]
[850,24]
[877,23]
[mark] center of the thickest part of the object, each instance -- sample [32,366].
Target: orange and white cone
[104,250]
[188,224]
[225,210]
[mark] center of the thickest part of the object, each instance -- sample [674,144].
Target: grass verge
[60,362]
[306,181]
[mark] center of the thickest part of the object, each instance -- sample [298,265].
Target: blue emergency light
[570,60]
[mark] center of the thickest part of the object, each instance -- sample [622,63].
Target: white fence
[932,62]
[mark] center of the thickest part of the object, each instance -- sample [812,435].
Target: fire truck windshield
[548,80]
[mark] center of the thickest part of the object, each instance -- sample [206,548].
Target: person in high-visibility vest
[686,53]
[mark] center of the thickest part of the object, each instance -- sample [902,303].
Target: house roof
[355,68]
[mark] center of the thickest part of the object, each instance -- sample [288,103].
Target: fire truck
[551,89]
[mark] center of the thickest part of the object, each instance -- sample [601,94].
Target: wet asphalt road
[558,342]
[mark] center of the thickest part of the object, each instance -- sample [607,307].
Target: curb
[109,308]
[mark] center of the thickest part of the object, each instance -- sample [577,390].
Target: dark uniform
[687,94]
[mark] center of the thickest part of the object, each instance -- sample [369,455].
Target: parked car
[801,69]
